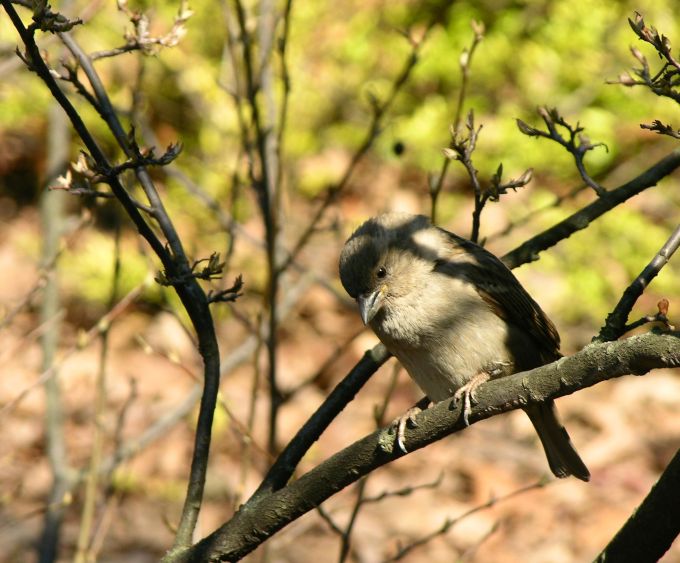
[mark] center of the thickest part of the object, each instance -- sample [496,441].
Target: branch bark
[653,527]
[266,514]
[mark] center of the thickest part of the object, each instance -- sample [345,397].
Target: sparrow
[454,316]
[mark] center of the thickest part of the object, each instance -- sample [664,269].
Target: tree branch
[577,145]
[529,250]
[653,527]
[380,109]
[265,514]
[344,392]
[174,259]
[615,325]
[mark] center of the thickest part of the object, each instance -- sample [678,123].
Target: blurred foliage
[88,270]
[340,54]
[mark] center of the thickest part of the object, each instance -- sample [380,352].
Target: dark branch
[228,295]
[461,149]
[283,468]
[615,325]
[173,257]
[529,250]
[653,527]
[41,69]
[665,81]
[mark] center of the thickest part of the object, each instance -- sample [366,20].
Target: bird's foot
[402,421]
[468,390]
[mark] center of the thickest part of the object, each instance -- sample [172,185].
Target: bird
[454,316]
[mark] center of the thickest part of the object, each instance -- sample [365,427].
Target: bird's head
[384,260]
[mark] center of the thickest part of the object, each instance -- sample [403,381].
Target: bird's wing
[497,285]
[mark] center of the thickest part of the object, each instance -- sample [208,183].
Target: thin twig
[345,534]
[83,546]
[110,117]
[346,537]
[405,491]
[451,522]
[660,317]
[577,144]
[665,81]
[372,133]
[461,148]
[615,325]
[52,216]
[39,66]
[263,172]
[465,62]
[83,342]
[46,271]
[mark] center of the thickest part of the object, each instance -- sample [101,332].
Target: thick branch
[528,251]
[260,518]
[653,527]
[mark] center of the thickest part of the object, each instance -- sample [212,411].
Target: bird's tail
[562,456]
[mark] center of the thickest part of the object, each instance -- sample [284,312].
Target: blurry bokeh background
[340,56]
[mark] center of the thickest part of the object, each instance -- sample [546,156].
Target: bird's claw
[400,424]
[468,391]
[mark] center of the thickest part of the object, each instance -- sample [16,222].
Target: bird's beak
[369,304]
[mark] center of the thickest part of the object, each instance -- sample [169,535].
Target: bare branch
[615,325]
[461,149]
[140,38]
[253,524]
[646,536]
[52,219]
[451,522]
[173,257]
[228,295]
[45,19]
[85,340]
[660,317]
[577,144]
[662,129]
[665,81]
[380,109]
[465,62]
[529,250]
[84,546]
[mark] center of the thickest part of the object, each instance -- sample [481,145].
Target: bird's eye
[382,272]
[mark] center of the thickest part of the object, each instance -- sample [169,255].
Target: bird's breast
[444,342]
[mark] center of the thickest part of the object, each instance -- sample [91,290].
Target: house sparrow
[454,315]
